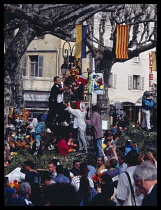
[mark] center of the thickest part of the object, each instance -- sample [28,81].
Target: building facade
[128,80]
[40,64]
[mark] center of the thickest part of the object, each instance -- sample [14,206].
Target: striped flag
[122,41]
[80,41]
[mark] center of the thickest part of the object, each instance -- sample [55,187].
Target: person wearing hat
[147,104]
[128,146]
[79,122]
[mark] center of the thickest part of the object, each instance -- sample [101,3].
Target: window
[135,82]
[136,59]
[36,65]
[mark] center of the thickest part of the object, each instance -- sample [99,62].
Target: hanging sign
[97,83]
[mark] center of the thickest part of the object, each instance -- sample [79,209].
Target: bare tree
[59,20]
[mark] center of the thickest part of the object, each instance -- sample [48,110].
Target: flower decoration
[97,178]
[73,71]
[15,185]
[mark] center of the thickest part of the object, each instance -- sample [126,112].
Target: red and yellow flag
[122,41]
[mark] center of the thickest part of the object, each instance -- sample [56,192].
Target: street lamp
[64,68]
[68,56]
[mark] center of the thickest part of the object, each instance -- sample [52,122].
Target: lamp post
[68,54]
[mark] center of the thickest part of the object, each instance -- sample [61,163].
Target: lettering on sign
[150,72]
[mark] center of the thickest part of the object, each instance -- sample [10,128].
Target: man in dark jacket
[56,106]
[145,178]
[96,122]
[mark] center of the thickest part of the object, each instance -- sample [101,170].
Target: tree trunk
[13,54]
[18,87]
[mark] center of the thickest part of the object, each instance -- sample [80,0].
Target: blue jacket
[38,129]
[147,103]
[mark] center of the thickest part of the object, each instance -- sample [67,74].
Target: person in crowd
[152,159]
[46,179]
[8,191]
[32,126]
[122,163]
[32,177]
[60,176]
[62,194]
[100,165]
[92,169]
[39,129]
[106,178]
[112,170]
[87,193]
[79,122]
[104,198]
[79,93]
[56,105]
[128,146]
[52,167]
[124,194]
[83,172]
[23,198]
[145,178]
[108,151]
[114,129]
[135,146]
[147,104]
[76,167]
[62,146]
[65,145]
[115,139]
[96,122]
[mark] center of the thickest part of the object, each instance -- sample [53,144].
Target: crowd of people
[119,180]
[119,177]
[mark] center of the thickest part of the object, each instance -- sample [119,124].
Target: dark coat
[54,92]
[151,198]
[96,122]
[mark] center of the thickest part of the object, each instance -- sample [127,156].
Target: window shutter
[110,81]
[142,83]
[115,81]
[23,65]
[130,81]
[41,60]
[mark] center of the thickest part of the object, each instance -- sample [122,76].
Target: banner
[97,83]
[122,33]
[153,61]
[80,41]
[84,28]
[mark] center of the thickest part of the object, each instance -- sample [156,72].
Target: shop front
[36,102]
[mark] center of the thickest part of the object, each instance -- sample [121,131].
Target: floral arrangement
[97,178]
[73,71]
[15,185]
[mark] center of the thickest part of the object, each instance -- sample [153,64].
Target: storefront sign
[36,96]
